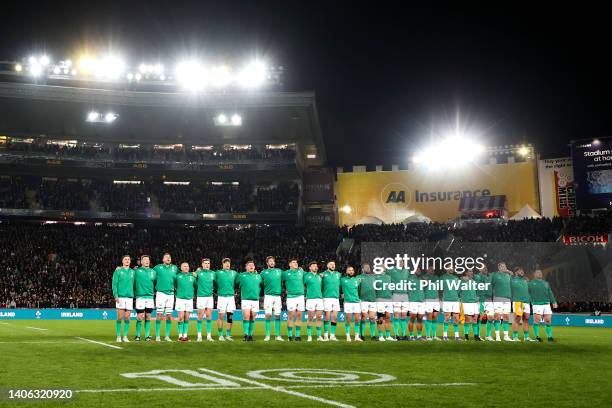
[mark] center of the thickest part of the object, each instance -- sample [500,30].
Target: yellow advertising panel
[393,196]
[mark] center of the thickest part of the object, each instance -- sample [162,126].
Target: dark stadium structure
[163,156]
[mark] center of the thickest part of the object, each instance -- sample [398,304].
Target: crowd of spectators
[67,265]
[181,154]
[104,195]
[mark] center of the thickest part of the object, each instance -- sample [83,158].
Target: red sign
[585,239]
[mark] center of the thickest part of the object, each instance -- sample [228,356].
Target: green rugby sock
[168,327]
[362,328]
[388,333]
[126,327]
[118,328]
[403,327]
[497,325]
[456,329]
[466,328]
[298,330]
[309,330]
[208,326]
[199,327]
[252,327]
[548,330]
[373,329]
[157,327]
[445,329]
[138,327]
[333,328]
[220,330]
[318,330]
[228,331]
[427,328]
[326,326]
[489,328]
[434,328]
[506,326]
[290,331]
[147,328]
[356,328]
[396,326]
[475,329]
[277,326]
[185,328]
[245,327]
[180,329]
[536,330]
[268,327]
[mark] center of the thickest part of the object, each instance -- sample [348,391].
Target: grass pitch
[58,354]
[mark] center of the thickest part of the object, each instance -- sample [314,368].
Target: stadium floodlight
[191,75]
[129,76]
[36,70]
[236,119]
[110,117]
[18,67]
[57,70]
[222,119]
[158,69]
[93,116]
[87,64]
[110,67]
[452,151]
[523,151]
[221,76]
[138,76]
[253,75]
[142,68]
[44,60]
[346,209]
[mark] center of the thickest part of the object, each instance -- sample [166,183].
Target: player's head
[184,267]
[418,271]
[293,263]
[450,271]
[484,270]
[271,262]
[145,260]
[331,265]
[518,271]
[502,267]
[537,274]
[350,271]
[226,262]
[365,268]
[167,258]
[126,260]
[313,267]
[431,270]
[205,263]
[469,274]
[250,266]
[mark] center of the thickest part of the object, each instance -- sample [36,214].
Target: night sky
[386,78]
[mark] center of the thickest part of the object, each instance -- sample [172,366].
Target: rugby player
[294,283]
[165,279]
[450,303]
[123,293]
[352,309]
[399,298]
[272,282]
[204,302]
[469,300]
[432,304]
[250,287]
[185,290]
[226,302]
[485,309]
[542,298]
[416,305]
[367,297]
[520,303]
[314,299]
[144,288]
[384,306]
[502,299]
[331,299]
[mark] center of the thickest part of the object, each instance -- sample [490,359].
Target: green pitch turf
[53,354]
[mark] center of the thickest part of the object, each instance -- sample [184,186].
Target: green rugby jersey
[144,282]
[384,292]
[165,278]
[416,294]
[520,289]
[468,295]
[487,294]
[206,281]
[226,282]
[294,282]
[250,285]
[313,282]
[272,281]
[500,282]
[367,293]
[331,284]
[397,276]
[350,288]
[123,283]
[430,293]
[450,288]
[540,292]
[185,285]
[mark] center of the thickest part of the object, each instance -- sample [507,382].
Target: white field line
[100,343]
[279,389]
[260,387]
[36,328]
[4,323]
[41,342]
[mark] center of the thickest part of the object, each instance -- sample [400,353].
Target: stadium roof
[31,110]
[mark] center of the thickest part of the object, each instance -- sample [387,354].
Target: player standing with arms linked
[502,299]
[367,297]
[541,298]
[123,293]
[432,304]
[204,301]
[521,300]
[352,309]
[331,300]
[144,283]
[185,290]
[164,297]
[294,283]
[226,302]
[314,299]
[272,282]
[250,286]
